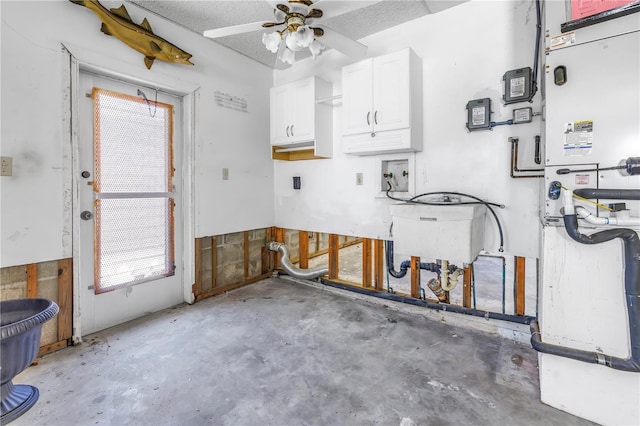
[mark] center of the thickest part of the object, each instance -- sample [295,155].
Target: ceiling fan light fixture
[299,39]
[288,56]
[272,41]
[316,48]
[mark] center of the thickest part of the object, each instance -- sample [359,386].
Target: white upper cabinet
[357,98]
[383,94]
[298,122]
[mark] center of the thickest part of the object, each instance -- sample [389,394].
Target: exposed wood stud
[520,280]
[222,289]
[366,263]
[270,237]
[303,236]
[214,261]
[246,254]
[378,256]
[325,251]
[65,299]
[334,247]
[415,276]
[52,347]
[32,280]
[198,266]
[264,261]
[280,239]
[466,287]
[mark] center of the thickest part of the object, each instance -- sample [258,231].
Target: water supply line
[631,244]
[290,269]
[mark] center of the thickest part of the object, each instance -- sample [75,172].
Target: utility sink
[451,232]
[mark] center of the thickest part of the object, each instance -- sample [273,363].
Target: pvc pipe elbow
[452,282]
[569,207]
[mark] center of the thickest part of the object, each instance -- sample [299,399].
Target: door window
[134,203]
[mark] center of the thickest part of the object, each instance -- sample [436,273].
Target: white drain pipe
[622,218]
[290,269]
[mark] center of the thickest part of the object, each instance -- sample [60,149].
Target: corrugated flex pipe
[631,244]
[290,269]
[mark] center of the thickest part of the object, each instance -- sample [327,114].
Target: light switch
[225,173]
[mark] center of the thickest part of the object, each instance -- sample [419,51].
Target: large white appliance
[592,113]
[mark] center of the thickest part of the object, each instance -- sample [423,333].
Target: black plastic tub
[22,321]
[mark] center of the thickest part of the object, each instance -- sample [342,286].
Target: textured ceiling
[199,16]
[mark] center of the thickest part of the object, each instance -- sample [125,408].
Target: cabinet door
[302,106]
[280,122]
[391,96]
[357,99]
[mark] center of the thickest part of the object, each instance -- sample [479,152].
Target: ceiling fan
[297,27]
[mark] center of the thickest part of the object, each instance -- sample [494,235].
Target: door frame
[80,59]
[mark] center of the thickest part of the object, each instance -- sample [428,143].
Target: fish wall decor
[118,23]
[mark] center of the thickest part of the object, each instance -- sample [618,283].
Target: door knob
[86,215]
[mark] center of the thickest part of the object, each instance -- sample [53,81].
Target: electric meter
[517,85]
[479,114]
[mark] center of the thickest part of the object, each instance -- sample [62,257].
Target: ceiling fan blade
[275,3]
[342,43]
[331,8]
[235,29]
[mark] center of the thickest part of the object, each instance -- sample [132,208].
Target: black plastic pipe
[405,265]
[431,305]
[631,244]
[609,194]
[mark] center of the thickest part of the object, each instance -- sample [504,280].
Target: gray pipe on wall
[290,269]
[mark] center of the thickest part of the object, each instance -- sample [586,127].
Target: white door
[131,233]
[391,81]
[357,98]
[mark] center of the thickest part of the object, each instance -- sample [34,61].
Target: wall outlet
[225,173]
[359,178]
[7,166]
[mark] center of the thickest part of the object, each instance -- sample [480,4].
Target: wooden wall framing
[59,288]
[214,287]
[373,267]
[519,272]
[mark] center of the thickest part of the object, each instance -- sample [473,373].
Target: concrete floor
[283,353]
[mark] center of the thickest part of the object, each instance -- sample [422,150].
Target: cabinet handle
[375,117]
[368,115]
[292,130]
[288,131]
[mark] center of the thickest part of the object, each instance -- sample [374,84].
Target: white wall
[465,51]
[36,203]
